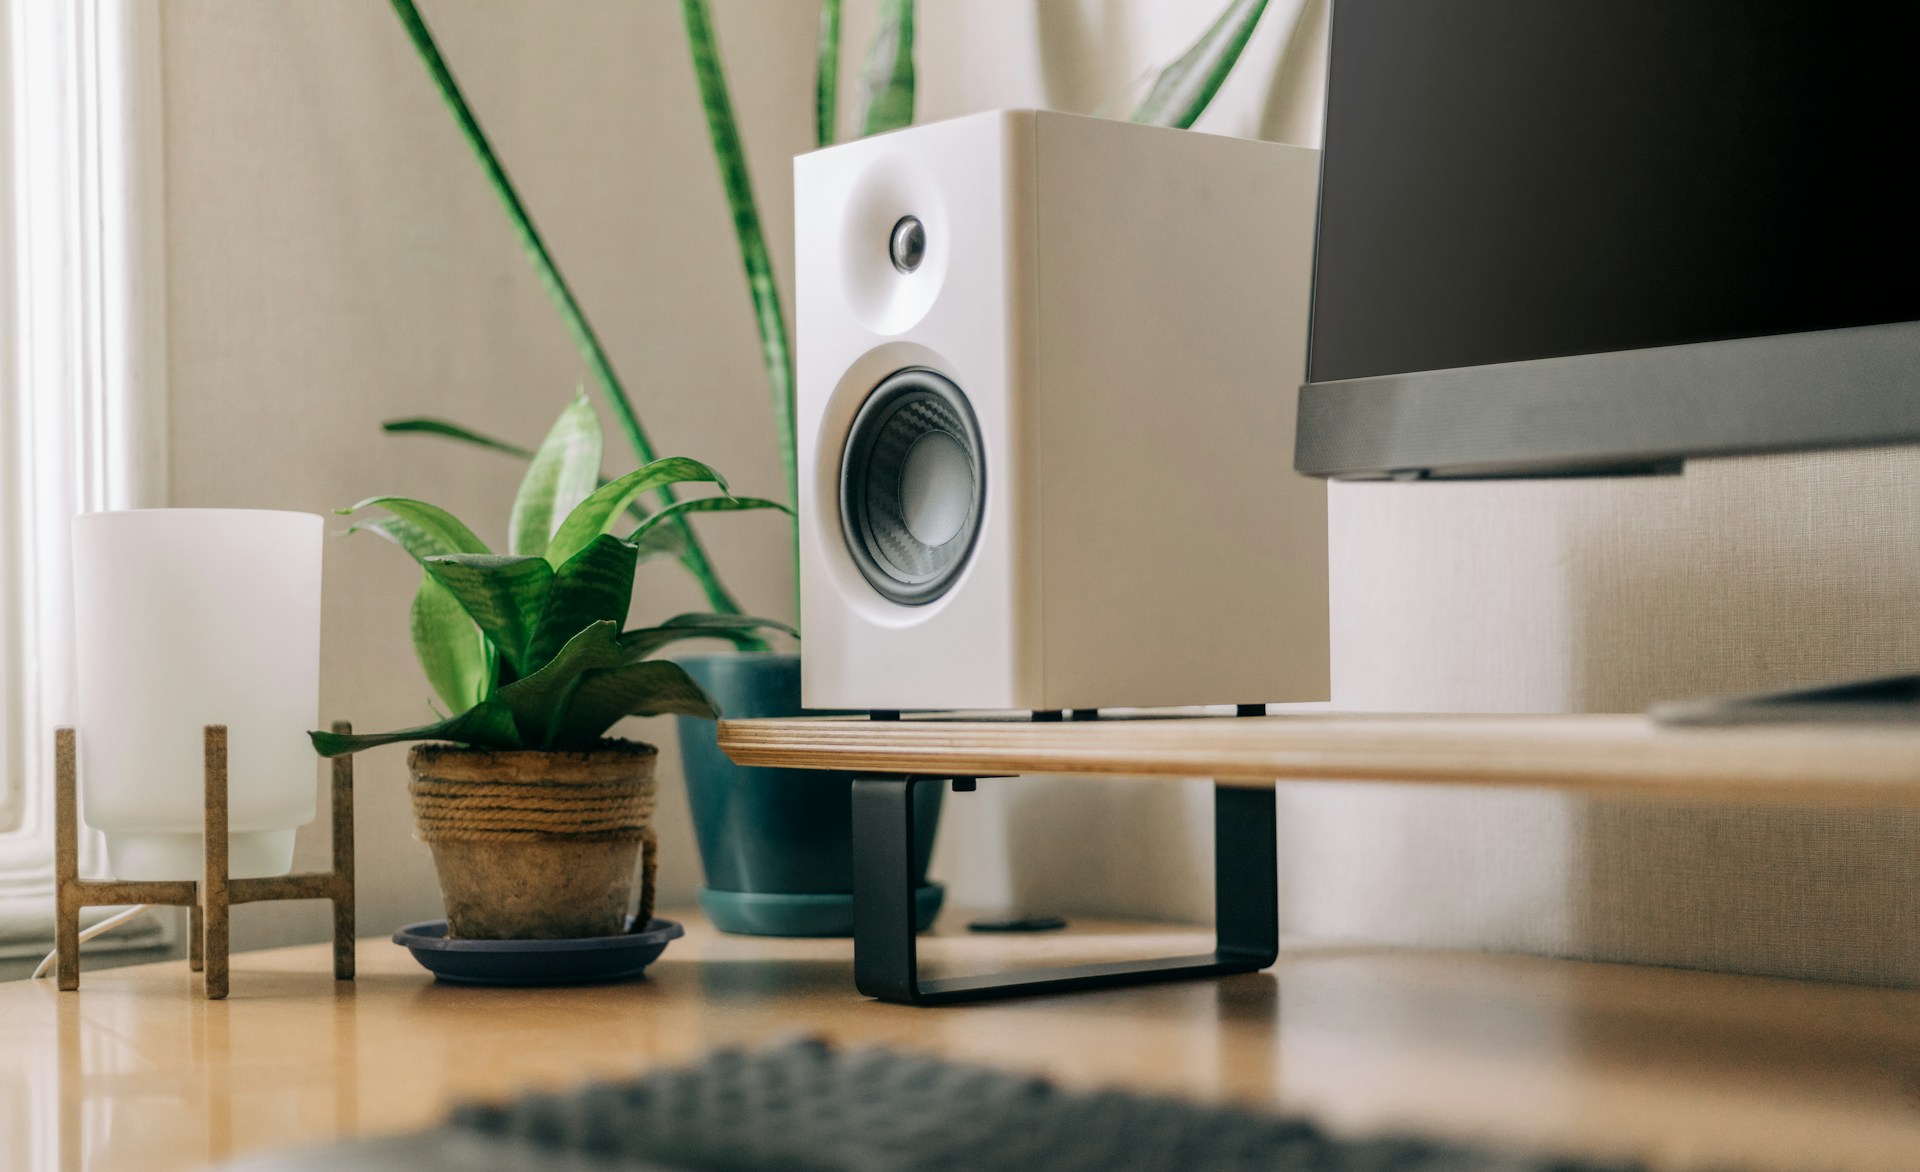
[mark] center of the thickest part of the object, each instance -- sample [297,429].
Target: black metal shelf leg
[1246,876]
[885,954]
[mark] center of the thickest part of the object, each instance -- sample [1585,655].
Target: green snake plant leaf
[503,594]
[705,504]
[558,291]
[451,650]
[735,628]
[826,80]
[1184,88]
[593,586]
[595,514]
[539,701]
[657,687]
[446,428]
[776,352]
[424,531]
[488,726]
[887,84]
[564,472]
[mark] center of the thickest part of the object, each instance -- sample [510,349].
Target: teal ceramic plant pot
[776,844]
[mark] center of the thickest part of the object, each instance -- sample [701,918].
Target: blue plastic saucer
[786,913]
[537,962]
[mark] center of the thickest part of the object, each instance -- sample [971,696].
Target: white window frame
[82,374]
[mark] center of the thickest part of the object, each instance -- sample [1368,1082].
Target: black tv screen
[1509,180]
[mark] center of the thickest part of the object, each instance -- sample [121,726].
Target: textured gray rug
[808,1108]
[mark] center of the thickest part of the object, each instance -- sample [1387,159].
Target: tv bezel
[1620,412]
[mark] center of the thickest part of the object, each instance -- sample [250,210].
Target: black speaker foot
[1249,709]
[1043,715]
[884,714]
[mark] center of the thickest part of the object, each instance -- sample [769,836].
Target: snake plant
[525,649]
[1179,94]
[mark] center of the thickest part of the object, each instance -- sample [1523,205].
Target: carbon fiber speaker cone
[912,486]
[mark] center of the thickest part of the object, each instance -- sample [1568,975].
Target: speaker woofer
[912,486]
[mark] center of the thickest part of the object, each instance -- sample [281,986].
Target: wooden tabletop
[1863,764]
[1691,1070]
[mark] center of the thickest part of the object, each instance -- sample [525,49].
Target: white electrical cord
[107,925]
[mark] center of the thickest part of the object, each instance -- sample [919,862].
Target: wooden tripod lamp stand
[210,898]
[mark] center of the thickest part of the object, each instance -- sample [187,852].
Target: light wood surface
[1803,764]
[1691,1070]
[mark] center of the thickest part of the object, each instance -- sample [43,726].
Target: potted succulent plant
[534,815]
[776,844]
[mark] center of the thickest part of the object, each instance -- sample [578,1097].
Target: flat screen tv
[1563,237]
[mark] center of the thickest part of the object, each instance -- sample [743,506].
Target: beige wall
[334,260]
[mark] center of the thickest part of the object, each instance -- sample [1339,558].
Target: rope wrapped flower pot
[534,816]
[537,845]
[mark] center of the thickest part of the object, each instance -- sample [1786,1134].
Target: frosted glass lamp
[185,618]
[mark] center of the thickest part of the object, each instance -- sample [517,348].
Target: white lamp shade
[185,618]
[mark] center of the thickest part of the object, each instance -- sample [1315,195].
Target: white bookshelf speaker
[1047,374]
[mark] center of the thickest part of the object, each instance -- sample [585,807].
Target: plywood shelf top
[1811,764]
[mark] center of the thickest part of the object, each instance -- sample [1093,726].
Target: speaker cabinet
[1047,374]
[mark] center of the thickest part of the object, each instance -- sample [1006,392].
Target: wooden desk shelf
[1800,764]
[1245,757]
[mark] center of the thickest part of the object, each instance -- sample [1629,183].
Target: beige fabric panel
[1602,596]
